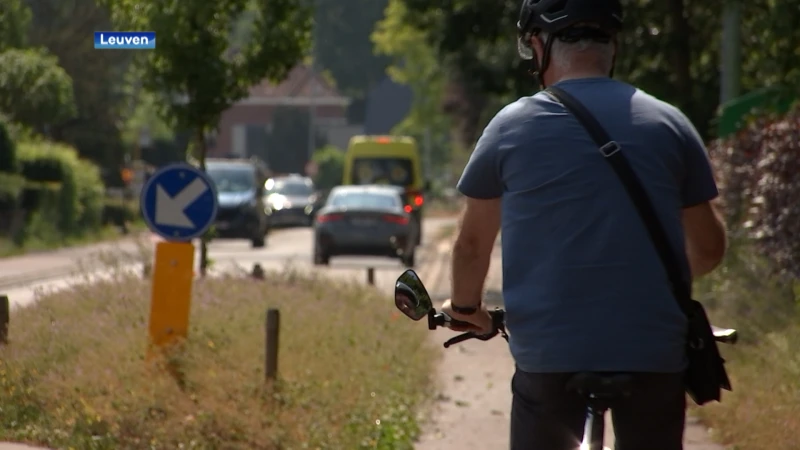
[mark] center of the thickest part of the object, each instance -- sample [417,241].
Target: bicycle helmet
[602,19]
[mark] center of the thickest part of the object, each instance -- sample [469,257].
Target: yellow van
[392,160]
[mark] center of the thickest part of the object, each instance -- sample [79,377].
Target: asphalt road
[22,277]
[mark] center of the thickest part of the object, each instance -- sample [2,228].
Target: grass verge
[109,233]
[352,371]
[763,411]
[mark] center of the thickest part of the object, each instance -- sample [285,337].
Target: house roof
[301,87]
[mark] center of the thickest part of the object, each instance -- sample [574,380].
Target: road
[22,277]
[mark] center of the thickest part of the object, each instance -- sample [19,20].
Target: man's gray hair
[565,55]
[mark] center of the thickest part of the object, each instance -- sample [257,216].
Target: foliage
[74,375]
[343,47]
[758,171]
[15,17]
[194,71]
[416,65]
[97,76]
[8,149]
[34,89]
[11,186]
[330,163]
[63,191]
[670,49]
[140,114]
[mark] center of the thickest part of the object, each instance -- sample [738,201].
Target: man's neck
[553,78]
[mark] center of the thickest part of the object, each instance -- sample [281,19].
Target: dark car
[291,199]
[242,212]
[364,221]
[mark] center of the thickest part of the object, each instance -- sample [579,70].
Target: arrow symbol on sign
[169,210]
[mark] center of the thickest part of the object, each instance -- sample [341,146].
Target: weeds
[351,374]
[763,411]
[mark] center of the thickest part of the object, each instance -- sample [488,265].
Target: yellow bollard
[173,273]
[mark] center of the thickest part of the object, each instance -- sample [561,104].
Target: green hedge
[11,186]
[8,159]
[63,191]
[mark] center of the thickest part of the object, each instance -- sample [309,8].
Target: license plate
[363,222]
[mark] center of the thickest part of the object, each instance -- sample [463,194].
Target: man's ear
[538,48]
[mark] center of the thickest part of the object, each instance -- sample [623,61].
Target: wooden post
[371,276]
[271,343]
[258,272]
[5,317]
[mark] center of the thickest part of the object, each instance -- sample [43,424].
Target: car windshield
[363,200]
[394,171]
[292,188]
[230,180]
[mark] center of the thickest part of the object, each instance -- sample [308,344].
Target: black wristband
[465,310]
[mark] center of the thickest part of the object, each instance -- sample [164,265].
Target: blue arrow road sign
[179,202]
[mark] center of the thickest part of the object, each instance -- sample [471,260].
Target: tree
[194,69]
[34,89]
[343,46]
[15,18]
[669,48]
[415,64]
[96,75]
[330,163]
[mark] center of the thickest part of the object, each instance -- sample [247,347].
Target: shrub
[8,151]
[330,162]
[11,186]
[79,198]
[758,172]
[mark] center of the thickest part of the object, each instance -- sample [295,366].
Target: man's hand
[479,323]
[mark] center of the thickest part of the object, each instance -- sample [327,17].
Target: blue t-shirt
[583,286]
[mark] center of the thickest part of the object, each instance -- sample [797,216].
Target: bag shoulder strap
[612,153]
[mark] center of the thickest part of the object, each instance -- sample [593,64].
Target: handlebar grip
[449,322]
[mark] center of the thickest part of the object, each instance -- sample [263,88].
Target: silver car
[365,221]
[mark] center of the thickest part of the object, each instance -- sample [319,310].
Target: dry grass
[763,411]
[352,372]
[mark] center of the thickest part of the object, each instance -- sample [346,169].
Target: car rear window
[364,200]
[394,171]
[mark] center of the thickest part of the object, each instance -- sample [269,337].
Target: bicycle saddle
[601,385]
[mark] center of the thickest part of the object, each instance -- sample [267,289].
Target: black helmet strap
[537,70]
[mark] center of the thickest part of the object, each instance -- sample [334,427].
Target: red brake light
[407,209]
[329,218]
[383,140]
[402,220]
[418,200]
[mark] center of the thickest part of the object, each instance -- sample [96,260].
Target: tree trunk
[680,55]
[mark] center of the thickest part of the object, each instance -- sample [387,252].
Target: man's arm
[706,238]
[481,183]
[704,230]
[472,250]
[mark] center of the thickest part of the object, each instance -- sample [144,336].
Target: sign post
[179,203]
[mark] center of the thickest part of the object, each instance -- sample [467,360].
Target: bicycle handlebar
[441,319]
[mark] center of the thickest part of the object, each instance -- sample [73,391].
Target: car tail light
[418,200]
[408,209]
[402,220]
[329,218]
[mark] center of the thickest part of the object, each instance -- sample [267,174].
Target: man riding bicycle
[583,285]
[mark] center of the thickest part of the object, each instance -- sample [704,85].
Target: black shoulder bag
[705,374]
